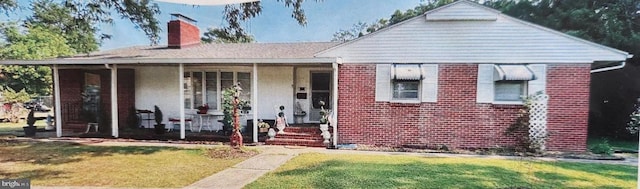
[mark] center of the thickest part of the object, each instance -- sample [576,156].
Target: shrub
[602,148]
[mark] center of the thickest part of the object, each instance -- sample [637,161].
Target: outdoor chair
[176,121]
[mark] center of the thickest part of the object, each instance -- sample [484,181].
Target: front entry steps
[299,136]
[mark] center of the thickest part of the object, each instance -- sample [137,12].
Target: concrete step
[296,142]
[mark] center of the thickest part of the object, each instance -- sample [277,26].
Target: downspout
[622,64]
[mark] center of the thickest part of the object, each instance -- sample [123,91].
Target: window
[510,91]
[405,90]
[205,87]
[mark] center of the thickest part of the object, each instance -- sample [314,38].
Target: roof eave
[173,61]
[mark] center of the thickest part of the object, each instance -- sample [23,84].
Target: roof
[467,32]
[206,53]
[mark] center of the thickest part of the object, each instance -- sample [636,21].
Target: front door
[320,91]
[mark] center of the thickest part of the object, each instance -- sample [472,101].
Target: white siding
[462,12]
[505,40]
[158,86]
[275,89]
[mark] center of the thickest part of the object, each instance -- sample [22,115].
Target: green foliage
[634,123]
[356,31]
[223,35]
[602,148]
[36,80]
[36,44]
[228,96]
[11,96]
[30,118]
[520,129]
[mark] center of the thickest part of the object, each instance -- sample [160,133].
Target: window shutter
[540,83]
[485,83]
[383,82]
[430,83]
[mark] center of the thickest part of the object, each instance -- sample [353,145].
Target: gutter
[620,66]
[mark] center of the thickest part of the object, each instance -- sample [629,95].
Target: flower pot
[160,129]
[271,133]
[29,131]
[264,130]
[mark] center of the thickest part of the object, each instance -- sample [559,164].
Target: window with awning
[406,83]
[509,83]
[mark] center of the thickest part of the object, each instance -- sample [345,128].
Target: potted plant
[203,109]
[30,130]
[299,114]
[159,127]
[324,122]
[264,126]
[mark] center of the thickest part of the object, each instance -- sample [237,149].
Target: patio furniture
[89,125]
[208,121]
[176,121]
[145,115]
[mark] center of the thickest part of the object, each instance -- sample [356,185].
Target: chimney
[182,32]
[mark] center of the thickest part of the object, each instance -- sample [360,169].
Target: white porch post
[254,101]
[181,100]
[334,118]
[58,106]
[114,101]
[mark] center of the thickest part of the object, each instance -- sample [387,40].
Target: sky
[274,24]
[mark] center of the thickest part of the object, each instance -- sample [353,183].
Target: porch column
[114,101]
[181,100]
[57,103]
[254,101]
[334,116]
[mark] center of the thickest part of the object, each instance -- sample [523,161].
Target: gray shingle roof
[217,51]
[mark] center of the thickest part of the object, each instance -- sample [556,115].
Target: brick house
[454,76]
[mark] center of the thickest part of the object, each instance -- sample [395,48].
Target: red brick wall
[182,34]
[568,89]
[456,120]
[72,85]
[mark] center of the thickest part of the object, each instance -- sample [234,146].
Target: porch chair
[176,121]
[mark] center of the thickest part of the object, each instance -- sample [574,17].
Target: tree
[221,35]
[356,31]
[37,43]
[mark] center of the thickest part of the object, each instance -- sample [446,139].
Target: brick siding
[456,120]
[72,86]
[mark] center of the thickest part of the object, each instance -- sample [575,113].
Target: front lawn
[71,164]
[7,128]
[400,171]
[625,145]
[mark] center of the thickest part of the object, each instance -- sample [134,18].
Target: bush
[602,148]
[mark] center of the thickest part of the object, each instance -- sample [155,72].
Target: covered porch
[123,90]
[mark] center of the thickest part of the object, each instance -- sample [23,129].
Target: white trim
[254,101]
[181,101]
[58,104]
[100,61]
[335,104]
[114,101]
[508,102]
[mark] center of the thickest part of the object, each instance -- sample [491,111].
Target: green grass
[70,164]
[615,144]
[399,171]
[7,128]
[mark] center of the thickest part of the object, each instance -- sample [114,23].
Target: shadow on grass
[622,172]
[38,173]
[64,152]
[345,174]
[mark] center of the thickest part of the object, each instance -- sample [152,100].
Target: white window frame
[524,93]
[219,89]
[406,100]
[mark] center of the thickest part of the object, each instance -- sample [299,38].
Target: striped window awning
[513,73]
[406,72]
